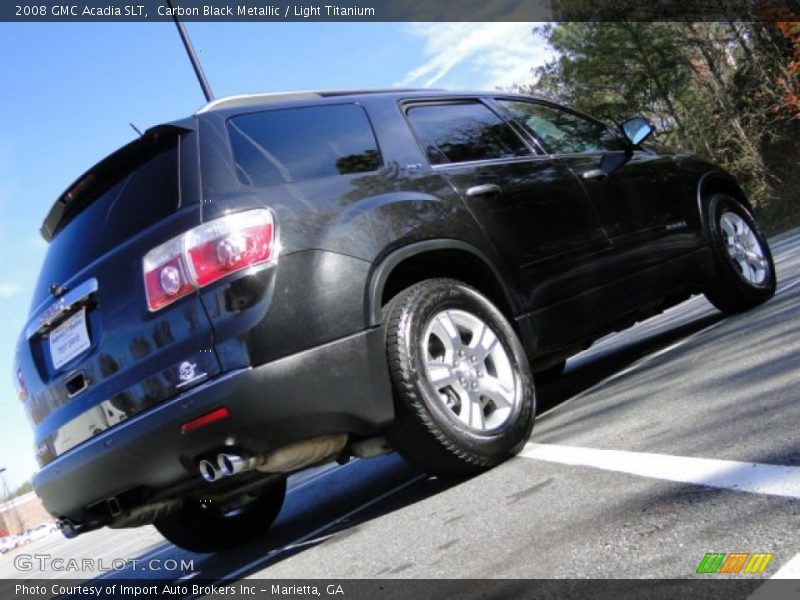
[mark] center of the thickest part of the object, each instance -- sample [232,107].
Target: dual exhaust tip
[282,460]
[225,466]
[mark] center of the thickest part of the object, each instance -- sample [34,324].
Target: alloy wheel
[743,248]
[470,369]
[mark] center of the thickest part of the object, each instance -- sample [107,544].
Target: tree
[20,491]
[728,90]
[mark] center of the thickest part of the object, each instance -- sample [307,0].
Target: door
[532,208]
[643,206]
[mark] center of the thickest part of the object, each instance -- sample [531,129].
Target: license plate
[69,339]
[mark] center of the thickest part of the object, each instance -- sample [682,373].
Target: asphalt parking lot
[671,440]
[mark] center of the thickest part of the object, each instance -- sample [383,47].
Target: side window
[296,144]
[463,132]
[559,131]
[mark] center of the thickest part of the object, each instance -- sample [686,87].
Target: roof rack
[248,99]
[245,99]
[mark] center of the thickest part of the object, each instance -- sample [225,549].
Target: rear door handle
[484,189]
[594,174]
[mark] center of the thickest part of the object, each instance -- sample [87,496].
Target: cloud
[7,290]
[498,54]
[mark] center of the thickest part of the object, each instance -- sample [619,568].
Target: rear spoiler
[107,172]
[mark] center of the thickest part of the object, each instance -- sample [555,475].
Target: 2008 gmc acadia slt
[283,280]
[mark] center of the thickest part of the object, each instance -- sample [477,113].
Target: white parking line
[790,570]
[756,478]
[769,590]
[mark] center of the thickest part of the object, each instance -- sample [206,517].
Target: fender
[710,177]
[383,269]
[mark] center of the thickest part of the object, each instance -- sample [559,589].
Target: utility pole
[187,43]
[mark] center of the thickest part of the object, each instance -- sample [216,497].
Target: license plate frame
[69,339]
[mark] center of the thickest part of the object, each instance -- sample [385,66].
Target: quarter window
[291,145]
[461,132]
[560,131]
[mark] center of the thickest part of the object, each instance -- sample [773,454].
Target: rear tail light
[207,253]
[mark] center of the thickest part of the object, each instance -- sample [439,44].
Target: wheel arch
[714,182]
[437,258]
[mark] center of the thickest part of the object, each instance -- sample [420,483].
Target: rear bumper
[339,387]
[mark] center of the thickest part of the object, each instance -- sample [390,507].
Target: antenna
[136,129]
[198,70]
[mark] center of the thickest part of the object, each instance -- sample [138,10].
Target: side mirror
[637,130]
[612,161]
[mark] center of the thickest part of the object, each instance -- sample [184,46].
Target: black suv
[284,280]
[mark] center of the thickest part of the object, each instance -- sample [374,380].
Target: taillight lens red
[207,253]
[229,244]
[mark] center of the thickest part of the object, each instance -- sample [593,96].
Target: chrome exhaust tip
[231,464]
[208,470]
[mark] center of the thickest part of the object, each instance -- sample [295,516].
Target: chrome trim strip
[492,161]
[116,427]
[522,159]
[60,308]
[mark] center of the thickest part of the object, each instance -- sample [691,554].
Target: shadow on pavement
[325,508]
[590,371]
[335,503]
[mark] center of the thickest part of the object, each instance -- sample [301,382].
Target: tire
[744,272]
[200,527]
[451,417]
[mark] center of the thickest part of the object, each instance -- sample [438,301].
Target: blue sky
[69,91]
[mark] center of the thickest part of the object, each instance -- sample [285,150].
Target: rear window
[464,132]
[291,145]
[132,203]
